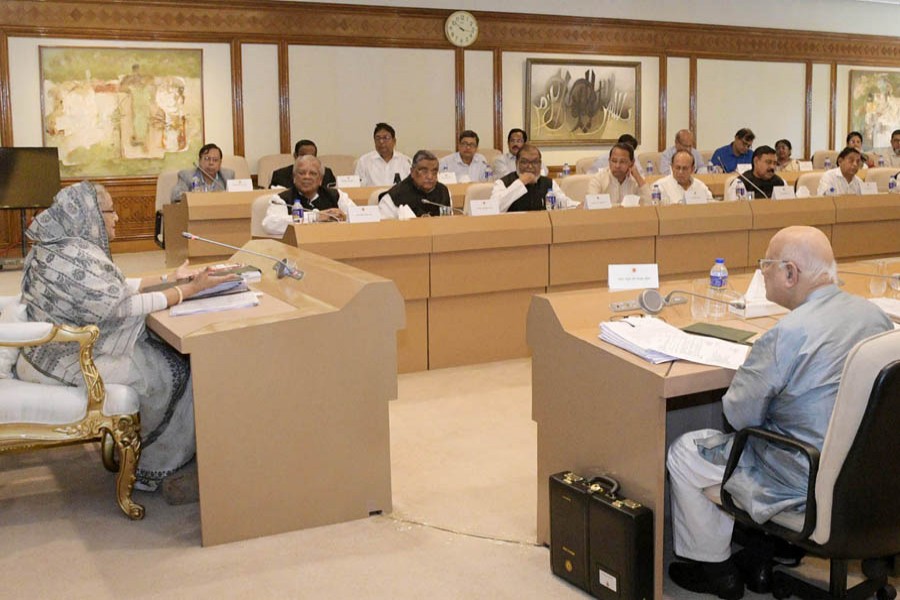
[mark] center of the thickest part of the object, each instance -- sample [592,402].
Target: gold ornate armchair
[35,415]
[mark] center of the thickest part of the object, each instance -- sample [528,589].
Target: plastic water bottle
[880,161]
[649,167]
[655,196]
[740,190]
[566,171]
[892,185]
[550,199]
[718,283]
[488,173]
[828,162]
[297,212]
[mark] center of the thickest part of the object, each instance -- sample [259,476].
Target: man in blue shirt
[738,152]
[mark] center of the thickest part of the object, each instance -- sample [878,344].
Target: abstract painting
[874,106]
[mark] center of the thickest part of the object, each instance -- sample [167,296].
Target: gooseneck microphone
[451,207]
[652,302]
[893,278]
[283,267]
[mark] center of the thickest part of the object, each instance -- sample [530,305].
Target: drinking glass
[878,284]
[700,306]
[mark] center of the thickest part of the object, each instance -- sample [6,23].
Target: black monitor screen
[29,177]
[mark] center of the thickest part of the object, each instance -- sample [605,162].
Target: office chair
[853,503]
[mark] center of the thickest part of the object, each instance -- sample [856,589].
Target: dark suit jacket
[285,177]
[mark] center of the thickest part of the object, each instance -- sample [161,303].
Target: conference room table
[599,408]
[291,397]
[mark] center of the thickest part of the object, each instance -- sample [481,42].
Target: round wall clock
[461,28]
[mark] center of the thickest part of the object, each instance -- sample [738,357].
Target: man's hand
[527,178]
[636,173]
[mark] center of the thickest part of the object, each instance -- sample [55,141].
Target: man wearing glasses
[383,166]
[206,176]
[787,385]
[466,162]
[621,178]
[738,152]
[525,188]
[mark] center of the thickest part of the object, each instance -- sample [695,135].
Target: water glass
[878,284]
[700,306]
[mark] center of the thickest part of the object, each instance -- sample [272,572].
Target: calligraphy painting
[120,112]
[874,106]
[581,103]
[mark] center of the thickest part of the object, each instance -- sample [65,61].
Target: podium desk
[600,407]
[221,216]
[866,225]
[769,216]
[484,271]
[360,195]
[690,234]
[586,242]
[291,398]
[396,250]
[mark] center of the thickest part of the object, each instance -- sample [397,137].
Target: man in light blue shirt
[466,162]
[684,140]
[787,385]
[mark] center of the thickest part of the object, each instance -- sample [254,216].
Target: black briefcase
[598,541]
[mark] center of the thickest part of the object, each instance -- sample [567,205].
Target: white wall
[678,97]
[479,88]
[821,88]
[259,71]
[338,94]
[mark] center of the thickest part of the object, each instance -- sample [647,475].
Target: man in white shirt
[383,166]
[506,163]
[466,162]
[684,140]
[603,160]
[621,178]
[842,180]
[682,182]
[891,155]
[331,204]
[525,188]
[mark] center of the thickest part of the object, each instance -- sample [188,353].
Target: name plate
[783,192]
[805,165]
[868,188]
[480,208]
[348,181]
[597,201]
[695,197]
[239,185]
[631,200]
[741,167]
[368,213]
[632,277]
[447,177]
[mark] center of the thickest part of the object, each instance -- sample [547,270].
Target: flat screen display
[29,177]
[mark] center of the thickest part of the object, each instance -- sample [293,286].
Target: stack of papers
[215,304]
[889,305]
[656,341]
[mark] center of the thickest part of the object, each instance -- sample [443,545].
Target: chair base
[785,585]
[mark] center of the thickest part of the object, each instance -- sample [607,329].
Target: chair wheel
[886,593]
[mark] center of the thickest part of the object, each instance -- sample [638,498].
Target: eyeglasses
[211,159]
[529,163]
[468,144]
[383,138]
[763,263]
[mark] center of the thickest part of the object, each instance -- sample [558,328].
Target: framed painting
[121,112]
[874,106]
[581,102]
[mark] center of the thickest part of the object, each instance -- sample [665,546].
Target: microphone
[452,208]
[893,278]
[755,187]
[283,268]
[652,302]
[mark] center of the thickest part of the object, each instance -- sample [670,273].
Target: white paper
[597,201]
[348,181]
[868,188]
[215,304]
[755,302]
[631,200]
[889,305]
[783,192]
[368,213]
[695,197]
[805,165]
[239,185]
[447,177]
[632,277]
[803,192]
[405,213]
[480,208]
[743,167]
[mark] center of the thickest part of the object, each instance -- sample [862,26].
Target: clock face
[461,28]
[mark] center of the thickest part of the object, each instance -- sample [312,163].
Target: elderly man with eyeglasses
[206,176]
[787,385]
[525,188]
[621,178]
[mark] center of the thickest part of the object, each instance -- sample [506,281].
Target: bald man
[787,385]
[684,141]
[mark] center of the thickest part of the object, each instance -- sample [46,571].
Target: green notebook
[729,334]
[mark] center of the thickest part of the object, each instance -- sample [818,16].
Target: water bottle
[718,283]
[892,185]
[649,167]
[550,199]
[297,212]
[488,173]
[880,161]
[827,162]
[566,170]
[740,190]
[195,184]
[655,196]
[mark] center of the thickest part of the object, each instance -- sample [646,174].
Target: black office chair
[853,504]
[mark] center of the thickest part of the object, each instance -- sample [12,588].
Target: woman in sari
[69,278]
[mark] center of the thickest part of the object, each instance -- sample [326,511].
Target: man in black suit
[284,176]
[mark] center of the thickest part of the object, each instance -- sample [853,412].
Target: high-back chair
[375,196]
[238,164]
[38,415]
[853,503]
[340,164]
[810,181]
[575,186]
[653,157]
[490,154]
[818,158]
[881,176]
[268,164]
[583,165]
[257,213]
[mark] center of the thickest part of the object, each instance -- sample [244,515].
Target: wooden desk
[769,216]
[291,398]
[866,225]
[690,234]
[716,181]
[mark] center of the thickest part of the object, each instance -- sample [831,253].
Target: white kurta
[834,179]
[374,170]
[603,182]
[673,193]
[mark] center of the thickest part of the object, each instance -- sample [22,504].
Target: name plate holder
[368,213]
[868,188]
[695,197]
[632,277]
[631,201]
[597,202]
[239,185]
[783,192]
[481,208]
[806,165]
[447,177]
[348,181]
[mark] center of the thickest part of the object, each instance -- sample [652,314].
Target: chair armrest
[812,455]
[18,335]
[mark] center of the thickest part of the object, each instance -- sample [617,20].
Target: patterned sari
[69,278]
